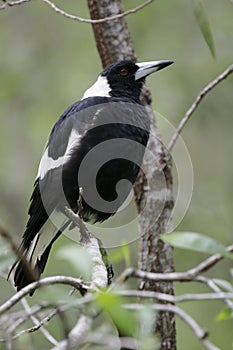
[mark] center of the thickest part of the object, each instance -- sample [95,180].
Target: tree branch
[99,280]
[77,283]
[36,322]
[78,18]
[195,104]
[99,277]
[175,299]
[188,275]
[199,332]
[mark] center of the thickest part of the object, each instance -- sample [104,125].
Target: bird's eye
[124,72]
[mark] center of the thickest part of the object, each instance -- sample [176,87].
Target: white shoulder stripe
[100,88]
[47,163]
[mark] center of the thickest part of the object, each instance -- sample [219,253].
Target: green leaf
[122,318]
[79,259]
[203,23]
[225,314]
[196,242]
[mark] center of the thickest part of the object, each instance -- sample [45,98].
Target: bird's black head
[121,79]
[124,79]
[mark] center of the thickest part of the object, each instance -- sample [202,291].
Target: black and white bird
[97,144]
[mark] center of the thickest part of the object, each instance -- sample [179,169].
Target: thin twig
[13,325]
[209,262]
[212,285]
[44,321]
[44,331]
[195,104]
[200,333]
[188,275]
[78,18]
[12,3]
[175,299]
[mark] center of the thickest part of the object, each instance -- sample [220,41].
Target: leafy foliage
[196,242]
[225,314]
[122,318]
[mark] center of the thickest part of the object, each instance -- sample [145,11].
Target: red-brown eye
[124,72]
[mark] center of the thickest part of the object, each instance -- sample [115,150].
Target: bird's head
[124,78]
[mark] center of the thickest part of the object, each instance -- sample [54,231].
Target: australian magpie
[97,144]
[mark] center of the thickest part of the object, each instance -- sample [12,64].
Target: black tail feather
[25,274]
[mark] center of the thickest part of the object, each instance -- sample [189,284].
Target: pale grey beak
[146,68]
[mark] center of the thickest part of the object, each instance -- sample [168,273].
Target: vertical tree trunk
[114,43]
[154,254]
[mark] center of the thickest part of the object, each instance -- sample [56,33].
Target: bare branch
[99,280]
[42,322]
[175,299]
[11,325]
[195,104]
[189,275]
[200,333]
[209,262]
[12,3]
[44,331]
[78,18]
[210,283]
[77,283]
[77,334]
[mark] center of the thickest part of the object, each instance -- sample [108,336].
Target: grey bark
[114,43]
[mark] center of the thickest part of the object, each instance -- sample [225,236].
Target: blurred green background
[46,63]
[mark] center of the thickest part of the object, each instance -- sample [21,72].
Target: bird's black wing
[81,128]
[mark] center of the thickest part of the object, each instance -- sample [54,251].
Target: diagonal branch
[200,333]
[195,104]
[78,18]
[36,322]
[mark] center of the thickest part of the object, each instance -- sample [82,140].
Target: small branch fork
[78,18]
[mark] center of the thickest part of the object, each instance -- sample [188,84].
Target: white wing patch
[47,163]
[100,88]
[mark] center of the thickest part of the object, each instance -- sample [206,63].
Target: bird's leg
[87,238]
[106,261]
[80,201]
[76,222]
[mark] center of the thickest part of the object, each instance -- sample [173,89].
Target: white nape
[100,88]
[47,163]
